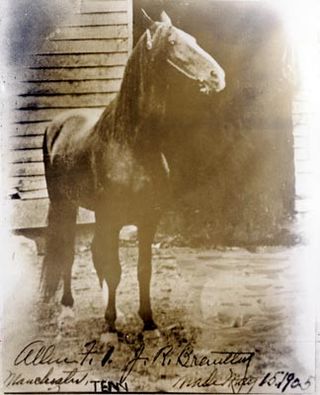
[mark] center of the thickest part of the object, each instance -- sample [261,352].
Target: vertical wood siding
[80,65]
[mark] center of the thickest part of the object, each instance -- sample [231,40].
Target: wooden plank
[33,214]
[28,214]
[130,25]
[73,74]
[37,115]
[80,60]
[91,32]
[36,194]
[69,87]
[29,142]
[26,169]
[25,156]
[33,129]
[301,155]
[303,167]
[94,6]
[86,46]
[110,18]
[65,101]
[28,183]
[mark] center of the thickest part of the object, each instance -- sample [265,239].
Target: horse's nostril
[213,74]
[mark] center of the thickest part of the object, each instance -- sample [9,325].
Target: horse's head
[184,54]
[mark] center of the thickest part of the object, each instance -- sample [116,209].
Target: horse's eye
[172,42]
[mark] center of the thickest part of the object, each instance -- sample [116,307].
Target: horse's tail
[51,268]
[49,278]
[61,221]
[45,151]
[48,171]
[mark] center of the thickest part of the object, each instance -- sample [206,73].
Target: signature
[38,353]
[188,358]
[194,369]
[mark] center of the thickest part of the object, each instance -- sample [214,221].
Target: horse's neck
[140,107]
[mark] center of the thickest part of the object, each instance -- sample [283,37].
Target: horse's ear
[164,17]
[147,20]
[149,42]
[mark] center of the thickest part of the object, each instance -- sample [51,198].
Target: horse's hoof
[149,325]
[151,335]
[67,301]
[109,338]
[67,312]
[58,338]
[66,319]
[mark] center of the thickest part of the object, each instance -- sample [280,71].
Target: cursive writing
[232,380]
[74,376]
[37,353]
[189,358]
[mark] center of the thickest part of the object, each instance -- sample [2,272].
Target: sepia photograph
[160,190]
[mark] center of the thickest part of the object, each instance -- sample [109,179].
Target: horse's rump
[69,132]
[67,154]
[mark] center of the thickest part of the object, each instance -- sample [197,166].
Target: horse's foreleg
[105,254]
[146,234]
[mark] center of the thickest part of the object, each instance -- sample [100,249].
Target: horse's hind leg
[146,234]
[105,254]
[59,256]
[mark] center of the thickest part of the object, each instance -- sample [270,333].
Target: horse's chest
[127,174]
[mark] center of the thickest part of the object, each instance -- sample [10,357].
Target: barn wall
[80,65]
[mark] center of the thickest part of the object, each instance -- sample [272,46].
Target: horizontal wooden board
[70,87]
[26,169]
[110,18]
[36,194]
[32,130]
[25,184]
[86,46]
[47,114]
[28,214]
[65,101]
[24,156]
[94,6]
[91,32]
[303,167]
[79,60]
[25,142]
[74,74]
[33,214]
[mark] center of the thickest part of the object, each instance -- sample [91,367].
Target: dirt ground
[208,304]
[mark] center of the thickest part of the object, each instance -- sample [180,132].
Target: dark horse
[112,163]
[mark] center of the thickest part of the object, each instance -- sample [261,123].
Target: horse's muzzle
[218,80]
[213,84]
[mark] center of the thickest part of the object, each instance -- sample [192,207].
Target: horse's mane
[141,97]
